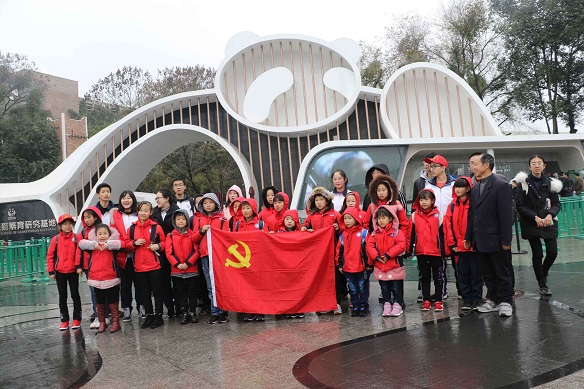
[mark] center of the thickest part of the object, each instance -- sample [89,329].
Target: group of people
[161,252]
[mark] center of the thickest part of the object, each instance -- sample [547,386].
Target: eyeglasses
[435,166]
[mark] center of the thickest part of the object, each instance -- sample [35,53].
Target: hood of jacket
[286,200]
[94,209]
[357,197]
[252,203]
[213,197]
[232,212]
[354,212]
[183,212]
[393,190]
[319,191]
[554,183]
[393,210]
[264,198]
[235,188]
[469,180]
[416,203]
[294,214]
[369,175]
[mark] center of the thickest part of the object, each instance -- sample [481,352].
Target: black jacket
[165,223]
[537,202]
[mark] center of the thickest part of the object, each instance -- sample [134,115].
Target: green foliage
[17,81]
[171,81]
[29,146]
[205,166]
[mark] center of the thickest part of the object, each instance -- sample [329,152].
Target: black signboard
[26,219]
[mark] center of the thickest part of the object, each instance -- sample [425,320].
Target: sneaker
[147,322]
[363,311]
[65,326]
[76,324]
[426,306]
[505,310]
[489,306]
[260,317]
[158,322]
[142,311]
[186,318]
[355,312]
[396,310]
[92,317]
[387,307]
[545,291]
[467,306]
[214,319]
[438,306]
[249,317]
[195,317]
[171,314]
[420,298]
[338,311]
[94,325]
[223,317]
[299,315]
[127,315]
[445,296]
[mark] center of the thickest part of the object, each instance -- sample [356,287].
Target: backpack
[152,233]
[260,225]
[364,233]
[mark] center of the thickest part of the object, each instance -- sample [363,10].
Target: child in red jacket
[280,203]
[183,255]
[351,260]
[211,216]
[353,199]
[468,272]
[146,239]
[250,220]
[235,212]
[104,275]
[385,246]
[61,257]
[428,239]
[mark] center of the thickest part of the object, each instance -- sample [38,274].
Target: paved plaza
[541,345]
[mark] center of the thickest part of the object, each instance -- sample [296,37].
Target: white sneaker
[107,321]
[506,310]
[94,324]
[489,306]
[338,311]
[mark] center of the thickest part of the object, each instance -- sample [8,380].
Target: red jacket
[254,223]
[266,213]
[389,242]
[427,233]
[118,224]
[215,220]
[363,216]
[402,217]
[83,255]
[180,248]
[102,265]
[455,222]
[62,253]
[322,219]
[145,259]
[349,255]
[275,222]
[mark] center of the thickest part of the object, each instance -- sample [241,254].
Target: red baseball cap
[438,159]
[63,218]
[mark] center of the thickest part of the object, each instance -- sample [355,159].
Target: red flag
[257,272]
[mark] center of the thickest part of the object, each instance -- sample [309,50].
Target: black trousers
[150,284]
[340,285]
[73,280]
[551,253]
[497,274]
[167,292]
[186,292]
[431,267]
[109,295]
[470,280]
[128,278]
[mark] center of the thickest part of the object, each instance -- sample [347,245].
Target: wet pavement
[541,344]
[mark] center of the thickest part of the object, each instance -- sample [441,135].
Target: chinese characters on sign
[25,220]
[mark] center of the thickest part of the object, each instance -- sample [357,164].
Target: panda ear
[348,48]
[240,41]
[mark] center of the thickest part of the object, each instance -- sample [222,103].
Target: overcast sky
[87,40]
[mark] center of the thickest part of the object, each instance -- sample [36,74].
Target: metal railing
[24,259]
[571,217]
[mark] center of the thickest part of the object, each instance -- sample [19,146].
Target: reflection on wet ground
[541,344]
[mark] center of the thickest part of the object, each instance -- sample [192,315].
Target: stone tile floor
[539,345]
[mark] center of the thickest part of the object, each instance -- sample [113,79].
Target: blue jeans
[358,288]
[392,291]
[215,311]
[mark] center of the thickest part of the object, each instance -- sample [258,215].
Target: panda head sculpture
[288,83]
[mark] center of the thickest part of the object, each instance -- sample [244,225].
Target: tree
[17,81]
[121,91]
[468,43]
[205,166]
[175,80]
[545,39]
[29,146]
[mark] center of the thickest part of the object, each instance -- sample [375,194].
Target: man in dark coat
[489,231]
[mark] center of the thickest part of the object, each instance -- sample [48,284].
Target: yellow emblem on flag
[243,261]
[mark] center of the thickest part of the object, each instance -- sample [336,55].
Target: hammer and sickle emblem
[243,261]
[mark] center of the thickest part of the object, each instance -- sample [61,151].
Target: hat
[438,159]
[63,218]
